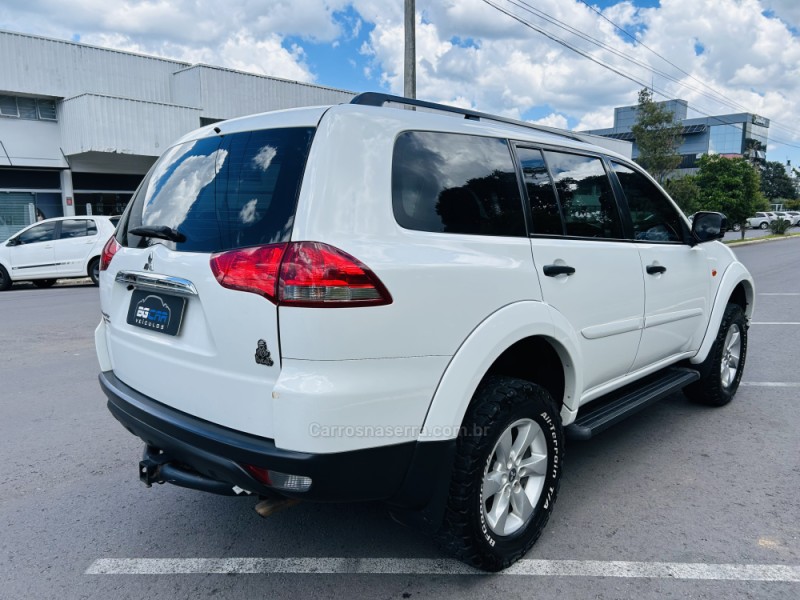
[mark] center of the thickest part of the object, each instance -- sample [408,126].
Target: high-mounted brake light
[109,250]
[310,274]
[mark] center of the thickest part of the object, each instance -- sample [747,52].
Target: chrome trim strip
[157,283]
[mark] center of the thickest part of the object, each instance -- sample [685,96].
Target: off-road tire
[5,280]
[465,533]
[44,283]
[94,271]
[709,389]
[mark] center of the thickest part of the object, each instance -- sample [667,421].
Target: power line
[600,44]
[722,98]
[611,68]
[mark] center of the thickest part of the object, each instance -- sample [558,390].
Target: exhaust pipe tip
[269,506]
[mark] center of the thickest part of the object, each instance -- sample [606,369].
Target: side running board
[627,401]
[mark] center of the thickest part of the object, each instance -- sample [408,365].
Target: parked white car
[361,302]
[60,248]
[788,217]
[761,220]
[794,216]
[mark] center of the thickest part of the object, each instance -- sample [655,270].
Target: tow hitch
[158,467]
[150,466]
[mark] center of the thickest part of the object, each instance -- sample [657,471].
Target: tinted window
[223,193]
[71,228]
[653,216]
[39,233]
[541,195]
[453,183]
[584,192]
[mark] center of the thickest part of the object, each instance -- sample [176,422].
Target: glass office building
[740,134]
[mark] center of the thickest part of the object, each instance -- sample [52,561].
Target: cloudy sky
[723,56]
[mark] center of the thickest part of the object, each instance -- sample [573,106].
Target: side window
[654,218]
[584,191]
[72,228]
[541,195]
[454,183]
[41,233]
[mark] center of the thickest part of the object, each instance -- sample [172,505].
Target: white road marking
[432,566]
[789,384]
[775,323]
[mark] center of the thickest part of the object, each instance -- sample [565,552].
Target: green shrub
[779,226]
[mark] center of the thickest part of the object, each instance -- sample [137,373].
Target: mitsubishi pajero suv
[367,302]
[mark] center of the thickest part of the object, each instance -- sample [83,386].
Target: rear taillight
[250,269]
[309,274]
[109,250]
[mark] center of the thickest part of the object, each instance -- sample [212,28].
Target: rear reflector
[278,480]
[109,250]
[310,274]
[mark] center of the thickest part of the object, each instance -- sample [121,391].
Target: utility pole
[410,63]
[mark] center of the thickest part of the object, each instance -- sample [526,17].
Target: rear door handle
[655,269]
[553,270]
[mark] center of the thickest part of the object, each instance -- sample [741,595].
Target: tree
[730,186]
[685,192]
[657,137]
[776,183]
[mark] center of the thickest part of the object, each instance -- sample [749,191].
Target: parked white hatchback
[60,248]
[361,302]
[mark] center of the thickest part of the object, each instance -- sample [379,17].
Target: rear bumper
[197,454]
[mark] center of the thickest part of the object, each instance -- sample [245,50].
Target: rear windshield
[223,192]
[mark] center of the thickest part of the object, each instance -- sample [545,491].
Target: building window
[725,139]
[24,107]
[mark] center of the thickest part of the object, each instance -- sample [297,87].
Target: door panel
[34,256]
[603,300]
[78,237]
[595,282]
[676,301]
[677,276]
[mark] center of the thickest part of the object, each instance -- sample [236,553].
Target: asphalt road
[678,483]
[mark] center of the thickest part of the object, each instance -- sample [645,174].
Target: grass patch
[766,237]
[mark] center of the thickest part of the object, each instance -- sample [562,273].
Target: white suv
[60,248]
[361,302]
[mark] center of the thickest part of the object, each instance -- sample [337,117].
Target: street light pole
[410,62]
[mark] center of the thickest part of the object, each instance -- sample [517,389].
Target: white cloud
[552,120]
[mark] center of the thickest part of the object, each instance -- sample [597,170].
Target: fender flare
[479,351]
[735,274]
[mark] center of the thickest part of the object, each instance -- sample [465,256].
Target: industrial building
[740,134]
[81,125]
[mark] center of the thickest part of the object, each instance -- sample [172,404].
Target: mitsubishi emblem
[149,264]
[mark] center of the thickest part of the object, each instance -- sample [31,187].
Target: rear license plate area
[157,312]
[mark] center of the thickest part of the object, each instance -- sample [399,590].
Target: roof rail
[378,99]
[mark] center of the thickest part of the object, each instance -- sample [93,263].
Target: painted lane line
[788,384]
[432,566]
[775,323]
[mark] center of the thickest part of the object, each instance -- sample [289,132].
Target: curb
[737,243]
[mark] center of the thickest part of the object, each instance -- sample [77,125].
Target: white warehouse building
[81,125]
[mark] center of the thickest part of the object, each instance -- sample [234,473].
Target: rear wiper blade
[158,231]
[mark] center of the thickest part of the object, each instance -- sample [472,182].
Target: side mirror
[13,242]
[708,226]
